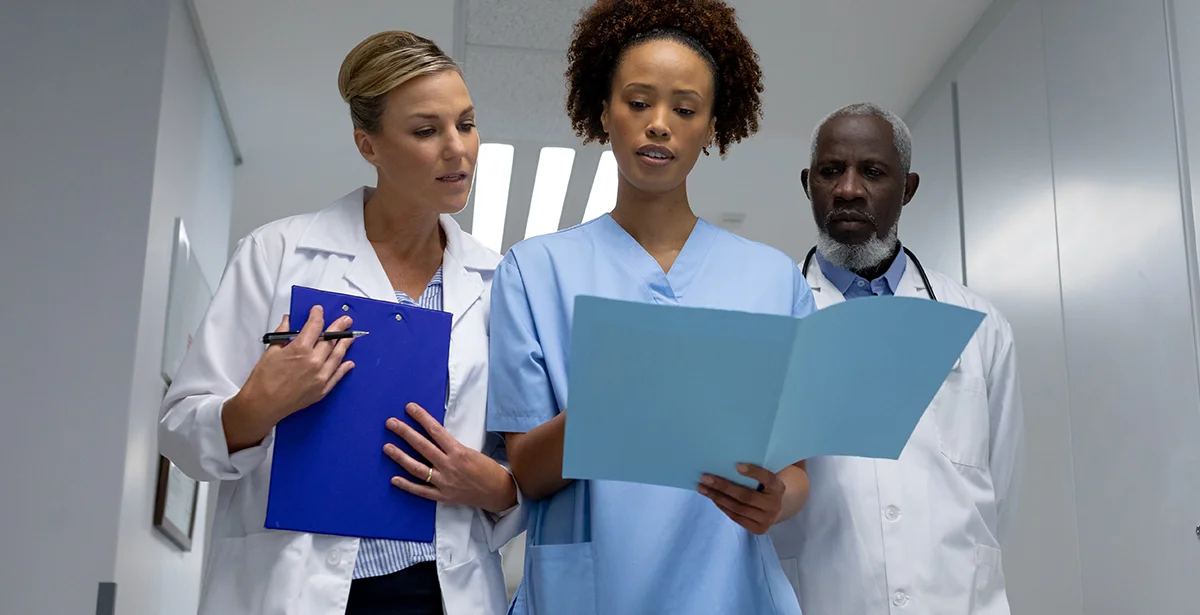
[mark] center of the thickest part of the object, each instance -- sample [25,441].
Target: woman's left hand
[459,474]
[754,510]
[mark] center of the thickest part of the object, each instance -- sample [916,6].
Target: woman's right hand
[286,379]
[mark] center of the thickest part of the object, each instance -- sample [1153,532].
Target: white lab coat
[920,534]
[252,570]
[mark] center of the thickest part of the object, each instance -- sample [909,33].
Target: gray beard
[861,256]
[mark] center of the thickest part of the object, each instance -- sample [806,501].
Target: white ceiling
[276,63]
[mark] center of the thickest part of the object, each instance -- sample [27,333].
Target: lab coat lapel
[824,292]
[461,289]
[340,229]
[911,284]
[366,274]
[462,282]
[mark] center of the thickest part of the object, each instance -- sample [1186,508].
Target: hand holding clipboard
[329,474]
[288,378]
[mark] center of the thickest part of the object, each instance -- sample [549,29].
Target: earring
[705,150]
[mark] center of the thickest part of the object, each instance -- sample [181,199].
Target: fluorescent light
[604,188]
[549,190]
[492,176]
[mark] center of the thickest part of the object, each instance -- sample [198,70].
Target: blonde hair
[382,63]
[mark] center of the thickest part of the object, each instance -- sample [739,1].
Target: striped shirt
[377,557]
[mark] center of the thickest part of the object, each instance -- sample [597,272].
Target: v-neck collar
[668,287]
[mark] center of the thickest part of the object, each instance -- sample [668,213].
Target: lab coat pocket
[467,585]
[987,590]
[961,412]
[563,579]
[256,573]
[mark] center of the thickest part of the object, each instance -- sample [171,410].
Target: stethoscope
[912,257]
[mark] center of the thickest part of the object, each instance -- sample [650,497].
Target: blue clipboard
[329,474]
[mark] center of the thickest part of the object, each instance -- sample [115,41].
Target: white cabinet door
[1127,305]
[1012,259]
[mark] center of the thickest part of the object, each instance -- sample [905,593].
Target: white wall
[296,139]
[1012,258]
[193,178]
[111,131]
[1077,226]
[1186,35]
[1135,403]
[295,134]
[76,175]
[764,170]
[930,222]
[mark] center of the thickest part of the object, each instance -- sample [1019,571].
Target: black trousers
[412,591]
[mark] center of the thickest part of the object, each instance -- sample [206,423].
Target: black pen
[287,336]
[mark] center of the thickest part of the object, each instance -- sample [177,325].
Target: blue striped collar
[434,286]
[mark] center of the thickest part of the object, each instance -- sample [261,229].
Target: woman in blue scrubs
[661,81]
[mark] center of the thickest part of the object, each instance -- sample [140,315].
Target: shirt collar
[434,283]
[340,229]
[843,278]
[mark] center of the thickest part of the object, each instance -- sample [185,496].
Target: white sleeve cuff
[214,449]
[507,524]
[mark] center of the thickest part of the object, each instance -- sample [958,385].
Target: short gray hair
[900,133]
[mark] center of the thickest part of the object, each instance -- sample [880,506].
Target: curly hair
[610,27]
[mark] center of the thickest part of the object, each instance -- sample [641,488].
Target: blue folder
[329,474]
[663,394]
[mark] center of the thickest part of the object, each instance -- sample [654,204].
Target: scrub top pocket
[565,579]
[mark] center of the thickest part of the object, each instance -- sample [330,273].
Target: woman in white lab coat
[414,121]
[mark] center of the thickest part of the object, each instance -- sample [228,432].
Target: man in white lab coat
[921,534]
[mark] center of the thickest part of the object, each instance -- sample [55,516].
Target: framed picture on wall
[188,296]
[175,504]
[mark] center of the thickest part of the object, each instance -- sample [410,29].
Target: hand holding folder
[329,474]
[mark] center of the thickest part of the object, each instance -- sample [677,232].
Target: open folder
[329,474]
[663,394]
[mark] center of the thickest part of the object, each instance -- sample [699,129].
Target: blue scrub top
[601,547]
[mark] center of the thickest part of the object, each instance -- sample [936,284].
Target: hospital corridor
[872,307]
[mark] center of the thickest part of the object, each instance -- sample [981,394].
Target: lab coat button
[900,599]
[892,513]
[333,559]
